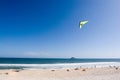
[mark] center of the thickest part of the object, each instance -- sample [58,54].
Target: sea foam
[59,65]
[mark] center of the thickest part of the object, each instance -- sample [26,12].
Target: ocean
[54,63]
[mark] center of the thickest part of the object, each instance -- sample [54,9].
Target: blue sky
[50,28]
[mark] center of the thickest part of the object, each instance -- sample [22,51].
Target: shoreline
[74,71]
[60,65]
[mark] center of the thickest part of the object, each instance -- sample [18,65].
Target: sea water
[55,63]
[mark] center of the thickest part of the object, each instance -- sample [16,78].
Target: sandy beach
[108,73]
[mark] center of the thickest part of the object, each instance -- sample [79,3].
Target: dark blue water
[51,60]
[4,62]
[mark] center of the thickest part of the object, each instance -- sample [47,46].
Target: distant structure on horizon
[72,58]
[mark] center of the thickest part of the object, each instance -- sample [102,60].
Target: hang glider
[82,23]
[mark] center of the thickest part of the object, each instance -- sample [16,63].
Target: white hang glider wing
[82,23]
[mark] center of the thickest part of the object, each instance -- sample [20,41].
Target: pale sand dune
[62,74]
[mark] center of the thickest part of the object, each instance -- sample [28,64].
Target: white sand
[62,74]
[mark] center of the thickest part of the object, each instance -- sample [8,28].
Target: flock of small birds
[84,69]
[69,69]
[6,73]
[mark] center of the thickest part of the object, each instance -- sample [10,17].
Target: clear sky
[50,28]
